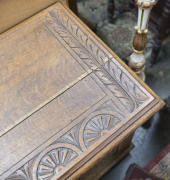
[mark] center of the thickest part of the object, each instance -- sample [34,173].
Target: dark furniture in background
[163,23]
[110,10]
[136,172]
[159,22]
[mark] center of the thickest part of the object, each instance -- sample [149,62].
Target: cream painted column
[137,59]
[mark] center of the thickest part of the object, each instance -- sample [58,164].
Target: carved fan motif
[54,161]
[97,127]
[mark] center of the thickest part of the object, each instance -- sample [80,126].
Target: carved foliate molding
[122,87]
[71,137]
[22,174]
[56,157]
[110,106]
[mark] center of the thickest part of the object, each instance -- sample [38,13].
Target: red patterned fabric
[160,165]
[137,173]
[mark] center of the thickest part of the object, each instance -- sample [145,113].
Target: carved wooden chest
[68,105]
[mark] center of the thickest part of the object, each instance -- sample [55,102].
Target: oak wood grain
[34,77]
[21,10]
[66,100]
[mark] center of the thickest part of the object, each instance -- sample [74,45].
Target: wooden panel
[104,160]
[128,91]
[48,121]
[91,100]
[21,10]
[27,82]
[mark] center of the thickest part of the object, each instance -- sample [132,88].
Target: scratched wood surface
[67,101]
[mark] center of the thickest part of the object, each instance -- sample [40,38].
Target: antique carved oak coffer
[68,105]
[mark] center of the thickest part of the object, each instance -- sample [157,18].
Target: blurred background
[118,35]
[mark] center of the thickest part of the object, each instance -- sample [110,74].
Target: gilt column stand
[137,59]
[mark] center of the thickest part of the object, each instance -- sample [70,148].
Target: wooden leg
[73,6]
[167,105]
[110,10]
[148,123]
[163,25]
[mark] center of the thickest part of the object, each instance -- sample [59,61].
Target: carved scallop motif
[97,127]
[54,161]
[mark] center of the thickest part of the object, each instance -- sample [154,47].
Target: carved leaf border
[129,93]
[83,54]
[121,79]
[71,137]
[99,54]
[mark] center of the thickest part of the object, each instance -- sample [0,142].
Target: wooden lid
[63,96]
